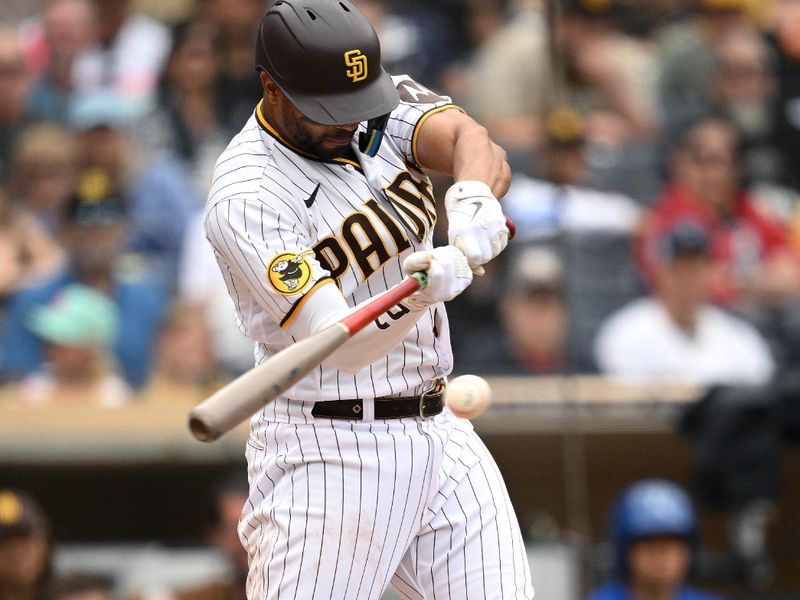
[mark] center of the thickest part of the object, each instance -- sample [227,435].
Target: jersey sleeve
[417,103]
[264,245]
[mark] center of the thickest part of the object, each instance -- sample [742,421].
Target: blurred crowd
[655,146]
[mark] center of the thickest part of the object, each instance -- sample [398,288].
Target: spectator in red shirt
[754,264]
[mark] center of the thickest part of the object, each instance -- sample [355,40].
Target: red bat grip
[361,318]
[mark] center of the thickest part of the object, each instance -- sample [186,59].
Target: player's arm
[448,275]
[301,297]
[453,143]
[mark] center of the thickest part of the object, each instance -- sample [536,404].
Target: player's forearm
[450,142]
[327,306]
[477,158]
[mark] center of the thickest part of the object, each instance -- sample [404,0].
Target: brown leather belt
[428,404]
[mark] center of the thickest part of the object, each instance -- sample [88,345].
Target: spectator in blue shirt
[94,234]
[655,537]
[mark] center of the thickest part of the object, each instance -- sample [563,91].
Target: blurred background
[643,327]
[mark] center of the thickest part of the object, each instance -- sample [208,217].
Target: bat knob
[512,229]
[200,428]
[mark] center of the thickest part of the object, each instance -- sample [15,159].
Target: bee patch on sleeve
[289,273]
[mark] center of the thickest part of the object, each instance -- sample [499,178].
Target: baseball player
[358,476]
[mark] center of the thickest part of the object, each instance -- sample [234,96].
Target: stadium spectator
[604,74]
[234,24]
[81,586]
[127,57]
[534,315]
[654,533]
[161,196]
[221,535]
[742,88]
[94,235]
[179,142]
[786,43]
[52,43]
[686,56]
[417,39]
[187,120]
[559,201]
[532,311]
[675,334]
[200,283]
[43,173]
[100,123]
[752,259]
[28,254]
[14,88]
[77,328]
[25,547]
[185,367]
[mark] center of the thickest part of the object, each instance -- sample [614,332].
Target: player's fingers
[416,261]
[436,278]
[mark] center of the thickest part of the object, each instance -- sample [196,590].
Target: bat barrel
[244,396]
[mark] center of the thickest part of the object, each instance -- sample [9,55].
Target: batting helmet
[326,57]
[651,507]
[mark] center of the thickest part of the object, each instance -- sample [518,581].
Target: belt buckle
[437,387]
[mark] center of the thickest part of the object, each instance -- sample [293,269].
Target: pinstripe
[217,190]
[289,519]
[391,507]
[236,242]
[240,155]
[246,261]
[324,512]
[377,501]
[360,498]
[341,516]
[308,504]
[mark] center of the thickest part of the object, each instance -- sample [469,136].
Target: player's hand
[476,224]
[448,273]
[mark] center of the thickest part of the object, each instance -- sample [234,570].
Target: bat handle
[512,229]
[421,277]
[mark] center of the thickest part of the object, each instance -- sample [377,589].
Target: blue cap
[649,508]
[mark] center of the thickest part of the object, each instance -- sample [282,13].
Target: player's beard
[338,141]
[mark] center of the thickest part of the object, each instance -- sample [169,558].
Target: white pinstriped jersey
[338,509]
[283,223]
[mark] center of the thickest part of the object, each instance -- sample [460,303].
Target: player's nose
[349,128]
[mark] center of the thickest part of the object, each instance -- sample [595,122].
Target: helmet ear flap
[369,141]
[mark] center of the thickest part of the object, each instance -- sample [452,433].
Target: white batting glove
[476,224]
[448,273]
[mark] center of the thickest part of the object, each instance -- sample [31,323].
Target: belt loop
[368,409]
[436,388]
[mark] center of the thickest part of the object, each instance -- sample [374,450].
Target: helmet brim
[374,99]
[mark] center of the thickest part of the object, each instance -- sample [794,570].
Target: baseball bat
[243,396]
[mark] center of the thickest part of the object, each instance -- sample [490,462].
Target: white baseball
[468,396]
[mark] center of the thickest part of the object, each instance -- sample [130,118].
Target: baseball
[468,396]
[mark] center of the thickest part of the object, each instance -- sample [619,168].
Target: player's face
[323,141]
[659,563]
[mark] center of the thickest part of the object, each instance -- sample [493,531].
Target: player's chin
[329,150]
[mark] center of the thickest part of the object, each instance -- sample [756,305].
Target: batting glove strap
[476,224]
[448,272]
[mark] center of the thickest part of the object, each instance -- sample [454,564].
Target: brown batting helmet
[326,57]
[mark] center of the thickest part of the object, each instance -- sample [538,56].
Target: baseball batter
[358,476]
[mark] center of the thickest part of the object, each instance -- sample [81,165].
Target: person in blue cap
[654,530]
